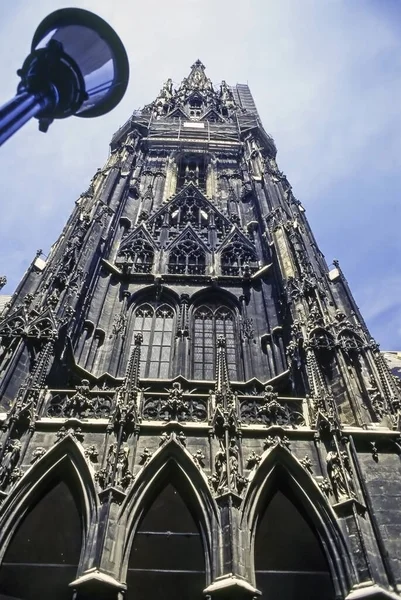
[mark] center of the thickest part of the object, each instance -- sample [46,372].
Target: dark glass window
[289,561]
[210,322]
[156,326]
[42,558]
[167,559]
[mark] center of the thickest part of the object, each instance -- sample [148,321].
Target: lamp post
[77,66]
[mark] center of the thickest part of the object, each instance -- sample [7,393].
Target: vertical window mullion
[161,345]
[151,336]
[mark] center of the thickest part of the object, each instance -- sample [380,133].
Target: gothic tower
[191,403]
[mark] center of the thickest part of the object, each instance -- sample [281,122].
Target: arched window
[289,561]
[167,559]
[209,322]
[187,258]
[156,325]
[237,258]
[43,555]
[139,256]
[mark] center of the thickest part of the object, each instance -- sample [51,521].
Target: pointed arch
[171,464]
[59,486]
[137,251]
[237,254]
[280,470]
[151,293]
[187,254]
[65,461]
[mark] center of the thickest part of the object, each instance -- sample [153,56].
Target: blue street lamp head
[77,66]
[85,44]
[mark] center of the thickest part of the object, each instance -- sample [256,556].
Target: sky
[326,78]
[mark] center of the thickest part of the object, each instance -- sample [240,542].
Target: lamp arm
[15,113]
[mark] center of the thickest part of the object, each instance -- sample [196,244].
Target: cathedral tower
[191,403]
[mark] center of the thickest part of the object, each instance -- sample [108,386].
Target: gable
[191,235]
[237,237]
[139,233]
[190,207]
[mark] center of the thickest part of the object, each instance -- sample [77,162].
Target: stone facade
[192,405]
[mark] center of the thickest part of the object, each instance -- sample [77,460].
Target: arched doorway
[43,555]
[167,559]
[289,560]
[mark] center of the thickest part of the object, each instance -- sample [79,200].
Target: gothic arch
[66,461]
[171,463]
[151,293]
[210,294]
[280,470]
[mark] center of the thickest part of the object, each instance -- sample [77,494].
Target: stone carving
[306,463]
[175,408]
[247,329]
[375,451]
[37,454]
[83,404]
[199,459]
[119,325]
[136,255]
[91,453]
[75,432]
[270,411]
[226,475]
[116,472]
[145,457]
[164,438]
[376,399]
[277,440]
[30,322]
[325,487]
[181,438]
[253,460]
[8,468]
[339,473]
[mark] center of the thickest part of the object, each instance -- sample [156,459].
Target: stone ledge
[373,592]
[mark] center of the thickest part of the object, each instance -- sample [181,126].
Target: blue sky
[326,77]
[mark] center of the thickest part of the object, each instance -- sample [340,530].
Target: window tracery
[237,258]
[138,255]
[210,322]
[192,169]
[187,258]
[156,325]
[189,211]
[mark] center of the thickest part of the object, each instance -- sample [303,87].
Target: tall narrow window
[167,558]
[210,322]
[289,561]
[156,325]
[42,558]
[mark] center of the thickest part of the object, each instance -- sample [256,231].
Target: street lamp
[77,66]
